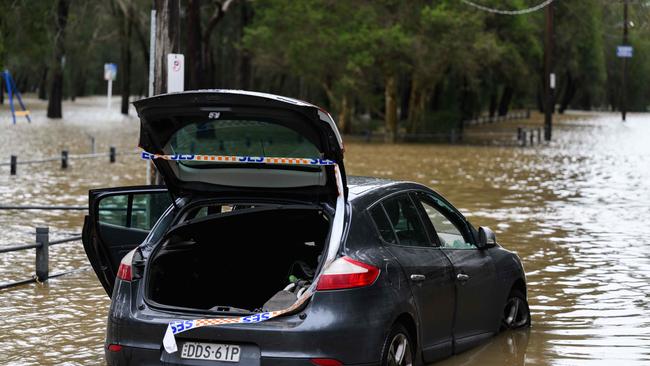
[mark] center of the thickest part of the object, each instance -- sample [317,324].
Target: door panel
[425,267]
[474,271]
[119,220]
[475,293]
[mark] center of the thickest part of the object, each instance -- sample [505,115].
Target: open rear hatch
[225,145]
[233,130]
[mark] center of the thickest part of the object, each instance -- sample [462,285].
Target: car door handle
[418,277]
[462,277]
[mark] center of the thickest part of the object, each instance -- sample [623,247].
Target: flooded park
[576,210]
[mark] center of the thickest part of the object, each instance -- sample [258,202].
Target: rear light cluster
[114,347]
[125,272]
[326,362]
[345,272]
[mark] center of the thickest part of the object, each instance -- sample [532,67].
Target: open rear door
[118,220]
[212,140]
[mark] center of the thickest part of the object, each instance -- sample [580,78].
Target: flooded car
[260,250]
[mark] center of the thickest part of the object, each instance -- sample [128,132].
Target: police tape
[239,159]
[176,327]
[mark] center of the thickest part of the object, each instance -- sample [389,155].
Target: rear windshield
[241,138]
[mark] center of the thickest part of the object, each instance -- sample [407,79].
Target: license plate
[211,351]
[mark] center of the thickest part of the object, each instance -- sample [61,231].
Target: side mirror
[486,238]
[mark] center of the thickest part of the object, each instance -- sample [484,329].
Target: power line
[508,12]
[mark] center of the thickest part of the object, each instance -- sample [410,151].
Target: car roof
[359,186]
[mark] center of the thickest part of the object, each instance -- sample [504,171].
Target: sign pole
[110,73]
[625,42]
[109,93]
[152,51]
[549,76]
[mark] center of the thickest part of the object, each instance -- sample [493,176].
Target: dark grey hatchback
[260,251]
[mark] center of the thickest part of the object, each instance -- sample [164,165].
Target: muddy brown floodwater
[576,211]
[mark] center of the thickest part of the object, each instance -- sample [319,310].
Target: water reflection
[575,211]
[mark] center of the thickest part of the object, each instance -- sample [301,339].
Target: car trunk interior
[238,259]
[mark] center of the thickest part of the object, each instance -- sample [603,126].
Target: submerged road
[576,211]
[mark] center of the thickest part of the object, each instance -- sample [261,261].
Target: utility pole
[549,76]
[625,43]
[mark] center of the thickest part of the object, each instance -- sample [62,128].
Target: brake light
[345,272]
[114,347]
[326,362]
[124,271]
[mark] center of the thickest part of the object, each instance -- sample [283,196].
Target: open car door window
[119,219]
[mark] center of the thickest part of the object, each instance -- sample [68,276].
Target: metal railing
[42,245]
[64,158]
[492,119]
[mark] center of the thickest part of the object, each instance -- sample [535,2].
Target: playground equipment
[10,86]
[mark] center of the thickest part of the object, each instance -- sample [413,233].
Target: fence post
[64,159]
[42,253]
[532,137]
[13,165]
[539,135]
[519,132]
[92,144]
[111,154]
[523,138]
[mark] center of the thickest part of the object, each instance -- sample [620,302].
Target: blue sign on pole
[110,71]
[624,51]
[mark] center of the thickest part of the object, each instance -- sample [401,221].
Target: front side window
[404,218]
[450,235]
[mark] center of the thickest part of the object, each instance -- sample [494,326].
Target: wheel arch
[408,322]
[520,285]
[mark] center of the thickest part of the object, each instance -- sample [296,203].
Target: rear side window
[383,225]
[241,138]
[404,218]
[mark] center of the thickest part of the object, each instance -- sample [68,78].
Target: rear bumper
[150,357]
[347,325]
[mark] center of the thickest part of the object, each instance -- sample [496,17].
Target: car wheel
[398,348]
[516,313]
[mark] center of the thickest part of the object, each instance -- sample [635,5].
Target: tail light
[125,271]
[345,272]
[326,362]
[114,347]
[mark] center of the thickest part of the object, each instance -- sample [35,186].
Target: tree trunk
[194,45]
[125,59]
[345,124]
[569,92]
[56,88]
[390,99]
[493,102]
[245,59]
[42,86]
[417,102]
[167,40]
[506,98]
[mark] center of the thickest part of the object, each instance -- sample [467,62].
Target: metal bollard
[13,164]
[42,254]
[64,159]
[111,154]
